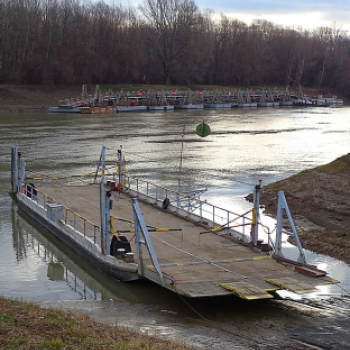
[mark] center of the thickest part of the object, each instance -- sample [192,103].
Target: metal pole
[14,169]
[104,232]
[120,162]
[108,222]
[255,222]
[101,163]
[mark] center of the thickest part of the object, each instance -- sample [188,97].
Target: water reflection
[63,272]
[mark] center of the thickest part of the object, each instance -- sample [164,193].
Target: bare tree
[170,25]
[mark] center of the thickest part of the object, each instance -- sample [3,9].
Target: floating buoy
[203,130]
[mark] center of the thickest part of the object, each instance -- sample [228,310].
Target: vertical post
[108,222]
[101,163]
[105,205]
[21,171]
[14,169]
[103,220]
[279,217]
[255,222]
[138,242]
[120,163]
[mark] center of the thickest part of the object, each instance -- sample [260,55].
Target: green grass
[26,326]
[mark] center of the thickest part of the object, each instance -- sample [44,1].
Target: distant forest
[162,42]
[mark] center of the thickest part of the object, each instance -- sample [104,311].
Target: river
[245,145]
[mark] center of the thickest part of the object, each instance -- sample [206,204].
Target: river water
[245,145]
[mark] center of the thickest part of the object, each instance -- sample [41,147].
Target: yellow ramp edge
[246,290]
[293,285]
[332,281]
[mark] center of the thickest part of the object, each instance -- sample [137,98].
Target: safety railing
[203,209]
[70,217]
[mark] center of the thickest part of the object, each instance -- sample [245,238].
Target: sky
[307,14]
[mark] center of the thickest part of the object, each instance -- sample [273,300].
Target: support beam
[140,227]
[283,206]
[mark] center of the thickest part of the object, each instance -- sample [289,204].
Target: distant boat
[190,106]
[161,108]
[217,105]
[98,110]
[65,109]
[131,109]
[304,101]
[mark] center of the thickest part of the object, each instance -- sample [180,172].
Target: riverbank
[28,326]
[319,202]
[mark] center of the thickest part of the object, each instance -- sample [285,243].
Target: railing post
[213,215]
[120,163]
[255,223]
[84,225]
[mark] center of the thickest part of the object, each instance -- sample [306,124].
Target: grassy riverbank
[30,327]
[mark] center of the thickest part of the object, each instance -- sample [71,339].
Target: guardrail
[204,210]
[71,218]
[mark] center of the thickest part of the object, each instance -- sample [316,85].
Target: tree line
[162,42]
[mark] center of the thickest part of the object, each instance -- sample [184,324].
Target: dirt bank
[20,99]
[319,202]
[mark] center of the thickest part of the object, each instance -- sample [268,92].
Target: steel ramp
[246,290]
[293,285]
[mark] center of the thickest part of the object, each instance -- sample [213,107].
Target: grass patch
[26,326]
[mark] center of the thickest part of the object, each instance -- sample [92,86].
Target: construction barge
[142,101]
[131,229]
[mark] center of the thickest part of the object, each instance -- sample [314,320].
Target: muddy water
[245,145]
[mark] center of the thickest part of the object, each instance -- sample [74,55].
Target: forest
[65,42]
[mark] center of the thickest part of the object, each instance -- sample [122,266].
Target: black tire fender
[166,203]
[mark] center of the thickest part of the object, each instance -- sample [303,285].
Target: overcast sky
[305,13]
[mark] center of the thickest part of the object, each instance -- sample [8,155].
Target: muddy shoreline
[318,201]
[232,324]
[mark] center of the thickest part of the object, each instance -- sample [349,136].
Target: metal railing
[70,217]
[201,208]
